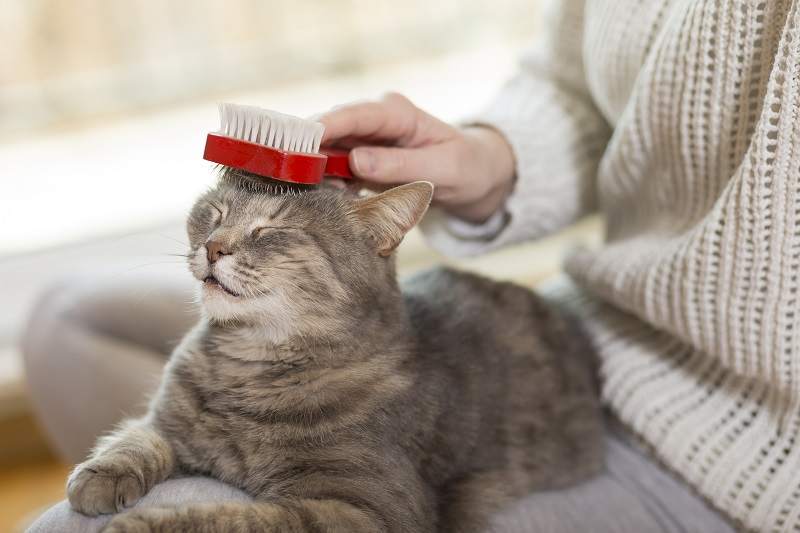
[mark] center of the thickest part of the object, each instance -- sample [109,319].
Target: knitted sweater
[678,120]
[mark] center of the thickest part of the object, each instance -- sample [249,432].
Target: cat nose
[215,250]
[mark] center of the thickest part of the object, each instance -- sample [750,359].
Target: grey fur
[340,402]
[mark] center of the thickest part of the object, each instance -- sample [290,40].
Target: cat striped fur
[339,399]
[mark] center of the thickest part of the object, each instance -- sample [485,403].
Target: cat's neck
[256,343]
[338,333]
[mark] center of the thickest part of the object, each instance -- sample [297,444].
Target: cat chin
[270,314]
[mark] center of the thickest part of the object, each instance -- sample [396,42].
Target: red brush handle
[296,167]
[337,165]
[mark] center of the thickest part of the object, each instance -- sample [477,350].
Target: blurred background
[104,107]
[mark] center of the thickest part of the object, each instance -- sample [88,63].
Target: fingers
[393,142]
[382,165]
[392,118]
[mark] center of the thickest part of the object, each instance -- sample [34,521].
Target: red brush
[273,145]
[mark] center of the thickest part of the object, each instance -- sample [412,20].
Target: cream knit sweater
[678,119]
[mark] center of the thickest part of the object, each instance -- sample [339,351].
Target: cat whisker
[152,286]
[246,274]
[161,253]
[144,265]
[289,262]
[140,233]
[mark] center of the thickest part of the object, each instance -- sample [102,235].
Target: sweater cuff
[485,231]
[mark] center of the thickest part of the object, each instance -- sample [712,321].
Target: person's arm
[395,142]
[526,164]
[557,137]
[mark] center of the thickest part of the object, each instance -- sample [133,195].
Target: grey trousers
[96,345]
[631,496]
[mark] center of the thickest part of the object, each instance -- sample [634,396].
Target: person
[678,122]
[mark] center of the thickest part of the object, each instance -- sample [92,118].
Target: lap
[633,495]
[103,340]
[171,493]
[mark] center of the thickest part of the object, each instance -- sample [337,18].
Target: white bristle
[270,128]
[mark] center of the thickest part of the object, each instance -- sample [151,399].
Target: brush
[273,145]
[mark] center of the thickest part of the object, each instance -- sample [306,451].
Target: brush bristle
[270,128]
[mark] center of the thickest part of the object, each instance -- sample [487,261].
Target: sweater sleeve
[557,136]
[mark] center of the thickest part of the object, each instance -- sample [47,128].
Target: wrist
[490,171]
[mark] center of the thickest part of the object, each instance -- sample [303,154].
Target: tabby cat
[337,400]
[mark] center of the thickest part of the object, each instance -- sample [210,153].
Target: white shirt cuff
[484,231]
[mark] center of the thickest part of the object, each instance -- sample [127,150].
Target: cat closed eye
[263,230]
[216,214]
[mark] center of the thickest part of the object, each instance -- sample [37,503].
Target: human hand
[395,142]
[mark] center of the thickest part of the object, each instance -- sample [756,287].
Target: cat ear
[389,215]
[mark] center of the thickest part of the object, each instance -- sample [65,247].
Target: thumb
[395,165]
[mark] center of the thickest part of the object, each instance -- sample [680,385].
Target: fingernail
[364,161]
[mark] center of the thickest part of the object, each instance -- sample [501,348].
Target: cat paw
[103,486]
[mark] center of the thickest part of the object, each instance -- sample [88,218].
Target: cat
[337,400]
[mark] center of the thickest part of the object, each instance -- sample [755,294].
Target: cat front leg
[332,516]
[122,468]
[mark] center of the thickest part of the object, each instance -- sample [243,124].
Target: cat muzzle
[214,282]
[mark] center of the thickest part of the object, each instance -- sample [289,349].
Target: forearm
[123,467]
[554,136]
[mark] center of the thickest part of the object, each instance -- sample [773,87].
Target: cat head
[298,260]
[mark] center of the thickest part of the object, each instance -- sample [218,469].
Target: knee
[141,310]
[85,366]
[47,322]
